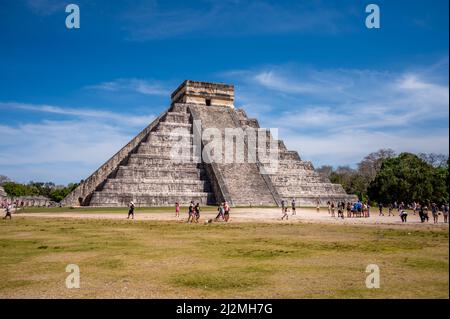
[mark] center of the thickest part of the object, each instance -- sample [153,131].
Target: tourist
[221,211]
[332,210]
[8,210]
[417,209]
[131,210]
[367,210]
[445,212]
[380,208]
[349,209]
[341,208]
[390,210]
[318,206]
[191,212]
[425,213]
[285,214]
[403,215]
[197,212]
[283,206]
[329,207]
[435,213]
[177,209]
[226,214]
[294,212]
[420,209]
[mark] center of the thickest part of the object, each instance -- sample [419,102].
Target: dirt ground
[270,215]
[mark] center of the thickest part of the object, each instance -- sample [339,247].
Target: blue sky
[69,99]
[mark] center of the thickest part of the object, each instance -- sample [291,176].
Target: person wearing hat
[131,210]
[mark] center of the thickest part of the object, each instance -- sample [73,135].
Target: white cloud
[63,150]
[132,85]
[234,18]
[45,7]
[125,119]
[67,145]
[337,116]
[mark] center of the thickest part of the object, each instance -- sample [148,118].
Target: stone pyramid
[167,162]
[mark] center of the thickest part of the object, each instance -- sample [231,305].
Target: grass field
[160,259]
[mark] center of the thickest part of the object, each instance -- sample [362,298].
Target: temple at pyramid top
[204,93]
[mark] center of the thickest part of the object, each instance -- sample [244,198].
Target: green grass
[156,259]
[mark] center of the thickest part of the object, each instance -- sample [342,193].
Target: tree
[408,178]
[436,160]
[47,189]
[4,179]
[371,164]
[58,194]
[325,170]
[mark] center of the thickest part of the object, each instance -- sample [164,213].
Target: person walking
[221,211]
[294,212]
[177,209]
[318,206]
[197,212]
[332,208]
[8,210]
[285,214]
[435,213]
[445,212]
[226,213]
[191,212]
[425,213]
[283,206]
[380,208]
[329,207]
[131,210]
[390,210]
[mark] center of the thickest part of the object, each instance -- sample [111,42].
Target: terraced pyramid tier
[164,163]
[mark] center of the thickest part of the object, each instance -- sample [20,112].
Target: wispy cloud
[336,116]
[66,147]
[45,7]
[132,85]
[233,18]
[126,119]
[60,151]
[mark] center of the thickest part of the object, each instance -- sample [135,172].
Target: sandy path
[251,215]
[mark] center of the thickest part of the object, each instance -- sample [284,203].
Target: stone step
[288,155]
[152,186]
[174,127]
[179,108]
[296,179]
[180,173]
[172,148]
[155,159]
[177,117]
[295,164]
[159,137]
[174,157]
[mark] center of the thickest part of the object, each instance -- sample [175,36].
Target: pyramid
[171,160]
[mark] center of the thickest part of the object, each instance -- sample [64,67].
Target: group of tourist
[357,209]
[285,210]
[420,209]
[194,212]
[360,209]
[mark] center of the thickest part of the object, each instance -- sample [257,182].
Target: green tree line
[386,177]
[48,189]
